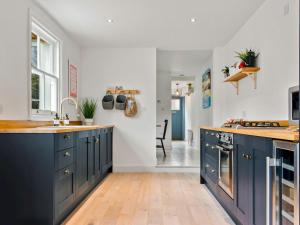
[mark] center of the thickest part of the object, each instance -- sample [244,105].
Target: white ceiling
[188,63]
[164,24]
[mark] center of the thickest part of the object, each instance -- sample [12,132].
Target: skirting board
[154,169]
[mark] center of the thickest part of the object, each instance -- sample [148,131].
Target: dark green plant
[88,107]
[246,55]
[225,70]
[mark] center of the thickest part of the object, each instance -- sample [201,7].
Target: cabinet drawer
[212,150]
[64,191]
[211,137]
[64,158]
[65,140]
[211,168]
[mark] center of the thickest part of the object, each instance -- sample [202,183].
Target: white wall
[14,60]
[134,138]
[275,36]
[163,105]
[200,116]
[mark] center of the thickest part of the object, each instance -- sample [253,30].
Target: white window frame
[37,28]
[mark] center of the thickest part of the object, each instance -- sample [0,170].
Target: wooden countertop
[281,133]
[50,129]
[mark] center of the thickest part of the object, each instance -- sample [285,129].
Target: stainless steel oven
[283,184]
[225,147]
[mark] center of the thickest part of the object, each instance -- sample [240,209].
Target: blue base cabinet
[248,205]
[45,176]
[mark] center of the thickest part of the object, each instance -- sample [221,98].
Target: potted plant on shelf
[248,58]
[88,107]
[225,70]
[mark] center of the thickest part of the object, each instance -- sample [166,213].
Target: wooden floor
[150,199]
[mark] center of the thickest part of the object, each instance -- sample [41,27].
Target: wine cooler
[283,184]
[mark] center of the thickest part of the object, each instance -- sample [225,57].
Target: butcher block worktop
[34,127]
[288,134]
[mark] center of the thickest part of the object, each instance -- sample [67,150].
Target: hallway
[181,155]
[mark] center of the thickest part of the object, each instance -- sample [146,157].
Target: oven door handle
[222,149]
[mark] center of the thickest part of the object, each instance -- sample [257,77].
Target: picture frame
[206,89]
[73,80]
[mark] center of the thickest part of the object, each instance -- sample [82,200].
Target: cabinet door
[96,169]
[110,147]
[83,167]
[103,149]
[64,191]
[262,148]
[243,165]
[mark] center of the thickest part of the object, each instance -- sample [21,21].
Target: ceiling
[188,63]
[164,24]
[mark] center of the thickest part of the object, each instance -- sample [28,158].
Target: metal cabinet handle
[67,137]
[67,154]
[97,140]
[212,134]
[212,171]
[207,145]
[207,166]
[67,172]
[247,156]
[213,147]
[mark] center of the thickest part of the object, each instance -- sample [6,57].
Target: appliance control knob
[218,135]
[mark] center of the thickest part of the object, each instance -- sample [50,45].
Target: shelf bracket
[236,85]
[253,76]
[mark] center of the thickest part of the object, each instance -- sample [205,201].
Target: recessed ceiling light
[193,20]
[109,20]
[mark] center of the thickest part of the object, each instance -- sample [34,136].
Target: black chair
[163,138]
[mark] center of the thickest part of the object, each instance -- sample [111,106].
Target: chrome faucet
[61,104]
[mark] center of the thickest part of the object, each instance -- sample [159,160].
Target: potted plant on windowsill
[88,107]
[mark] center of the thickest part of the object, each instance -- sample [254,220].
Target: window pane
[34,49]
[46,56]
[35,91]
[175,105]
[50,93]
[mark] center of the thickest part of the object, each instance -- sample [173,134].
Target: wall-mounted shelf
[123,92]
[241,74]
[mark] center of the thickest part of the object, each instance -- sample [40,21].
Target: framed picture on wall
[206,89]
[73,76]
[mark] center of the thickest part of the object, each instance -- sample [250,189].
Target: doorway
[178,118]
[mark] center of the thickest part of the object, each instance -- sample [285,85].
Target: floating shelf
[123,92]
[241,74]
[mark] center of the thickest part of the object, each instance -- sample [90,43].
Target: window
[175,105]
[44,71]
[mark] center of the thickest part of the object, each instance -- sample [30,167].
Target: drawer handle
[212,171]
[97,140]
[67,172]
[212,134]
[67,154]
[213,147]
[67,137]
[207,145]
[247,156]
[207,166]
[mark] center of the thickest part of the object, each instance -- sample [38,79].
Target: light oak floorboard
[150,199]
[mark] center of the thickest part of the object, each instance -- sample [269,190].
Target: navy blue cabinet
[45,176]
[248,206]
[243,175]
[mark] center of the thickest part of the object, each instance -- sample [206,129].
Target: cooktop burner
[253,124]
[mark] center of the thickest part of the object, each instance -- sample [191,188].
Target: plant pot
[251,60]
[88,122]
